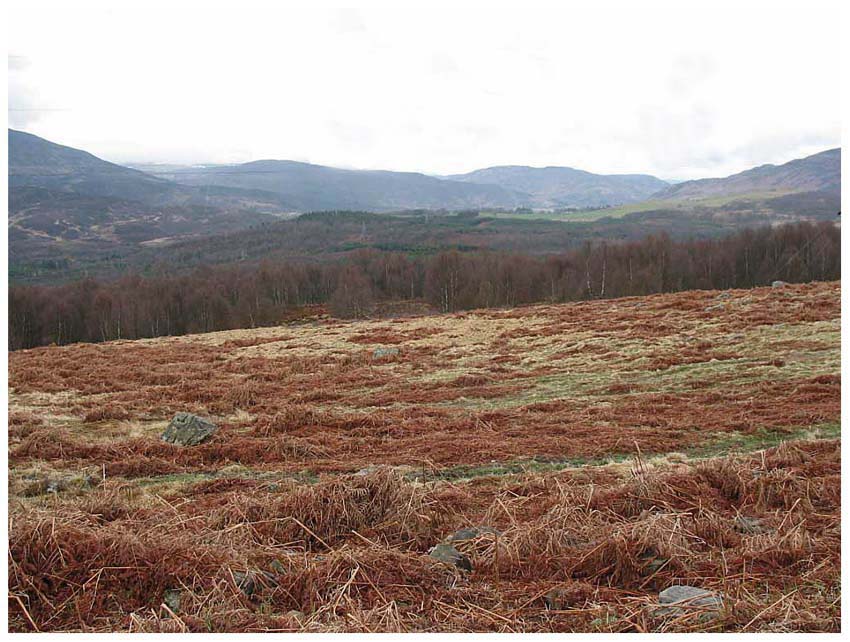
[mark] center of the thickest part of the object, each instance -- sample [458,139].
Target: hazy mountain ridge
[317,187]
[274,186]
[567,187]
[64,200]
[36,162]
[815,173]
[70,211]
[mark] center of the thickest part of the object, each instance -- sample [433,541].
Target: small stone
[610,618]
[725,295]
[748,525]
[683,599]
[556,599]
[250,582]
[694,595]
[465,534]
[654,563]
[244,582]
[186,429]
[385,352]
[90,481]
[448,554]
[171,599]
[55,485]
[365,472]
[778,284]
[42,484]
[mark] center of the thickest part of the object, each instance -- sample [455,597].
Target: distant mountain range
[65,203]
[35,162]
[278,186]
[554,187]
[61,197]
[817,173]
[38,163]
[307,187]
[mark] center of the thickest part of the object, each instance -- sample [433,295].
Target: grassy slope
[651,205]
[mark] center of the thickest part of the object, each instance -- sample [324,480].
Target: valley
[73,215]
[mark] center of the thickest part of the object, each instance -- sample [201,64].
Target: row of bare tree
[227,297]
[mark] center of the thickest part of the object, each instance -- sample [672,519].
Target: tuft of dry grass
[582,550]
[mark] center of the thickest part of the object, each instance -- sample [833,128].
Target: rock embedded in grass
[385,353]
[748,525]
[250,582]
[171,599]
[652,562]
[448,554]
[368,470]
[557,599]
[186,429]
[684,599]
[465,534]
[43,484]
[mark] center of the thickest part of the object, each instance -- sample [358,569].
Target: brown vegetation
[105,518]
[573,553]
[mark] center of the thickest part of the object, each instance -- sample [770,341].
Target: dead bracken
[569,464]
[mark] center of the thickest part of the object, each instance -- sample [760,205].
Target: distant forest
[229,297]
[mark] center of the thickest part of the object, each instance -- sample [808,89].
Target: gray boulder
[186,429]
[448,554]
[778,284]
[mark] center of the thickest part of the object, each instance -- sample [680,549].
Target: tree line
[241,296]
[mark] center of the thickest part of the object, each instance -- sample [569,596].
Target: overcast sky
[676,89]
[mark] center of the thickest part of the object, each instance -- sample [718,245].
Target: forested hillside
[238,296]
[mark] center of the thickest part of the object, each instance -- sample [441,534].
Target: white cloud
[675,89]
[23,99]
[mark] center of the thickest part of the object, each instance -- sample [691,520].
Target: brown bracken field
[595,453]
